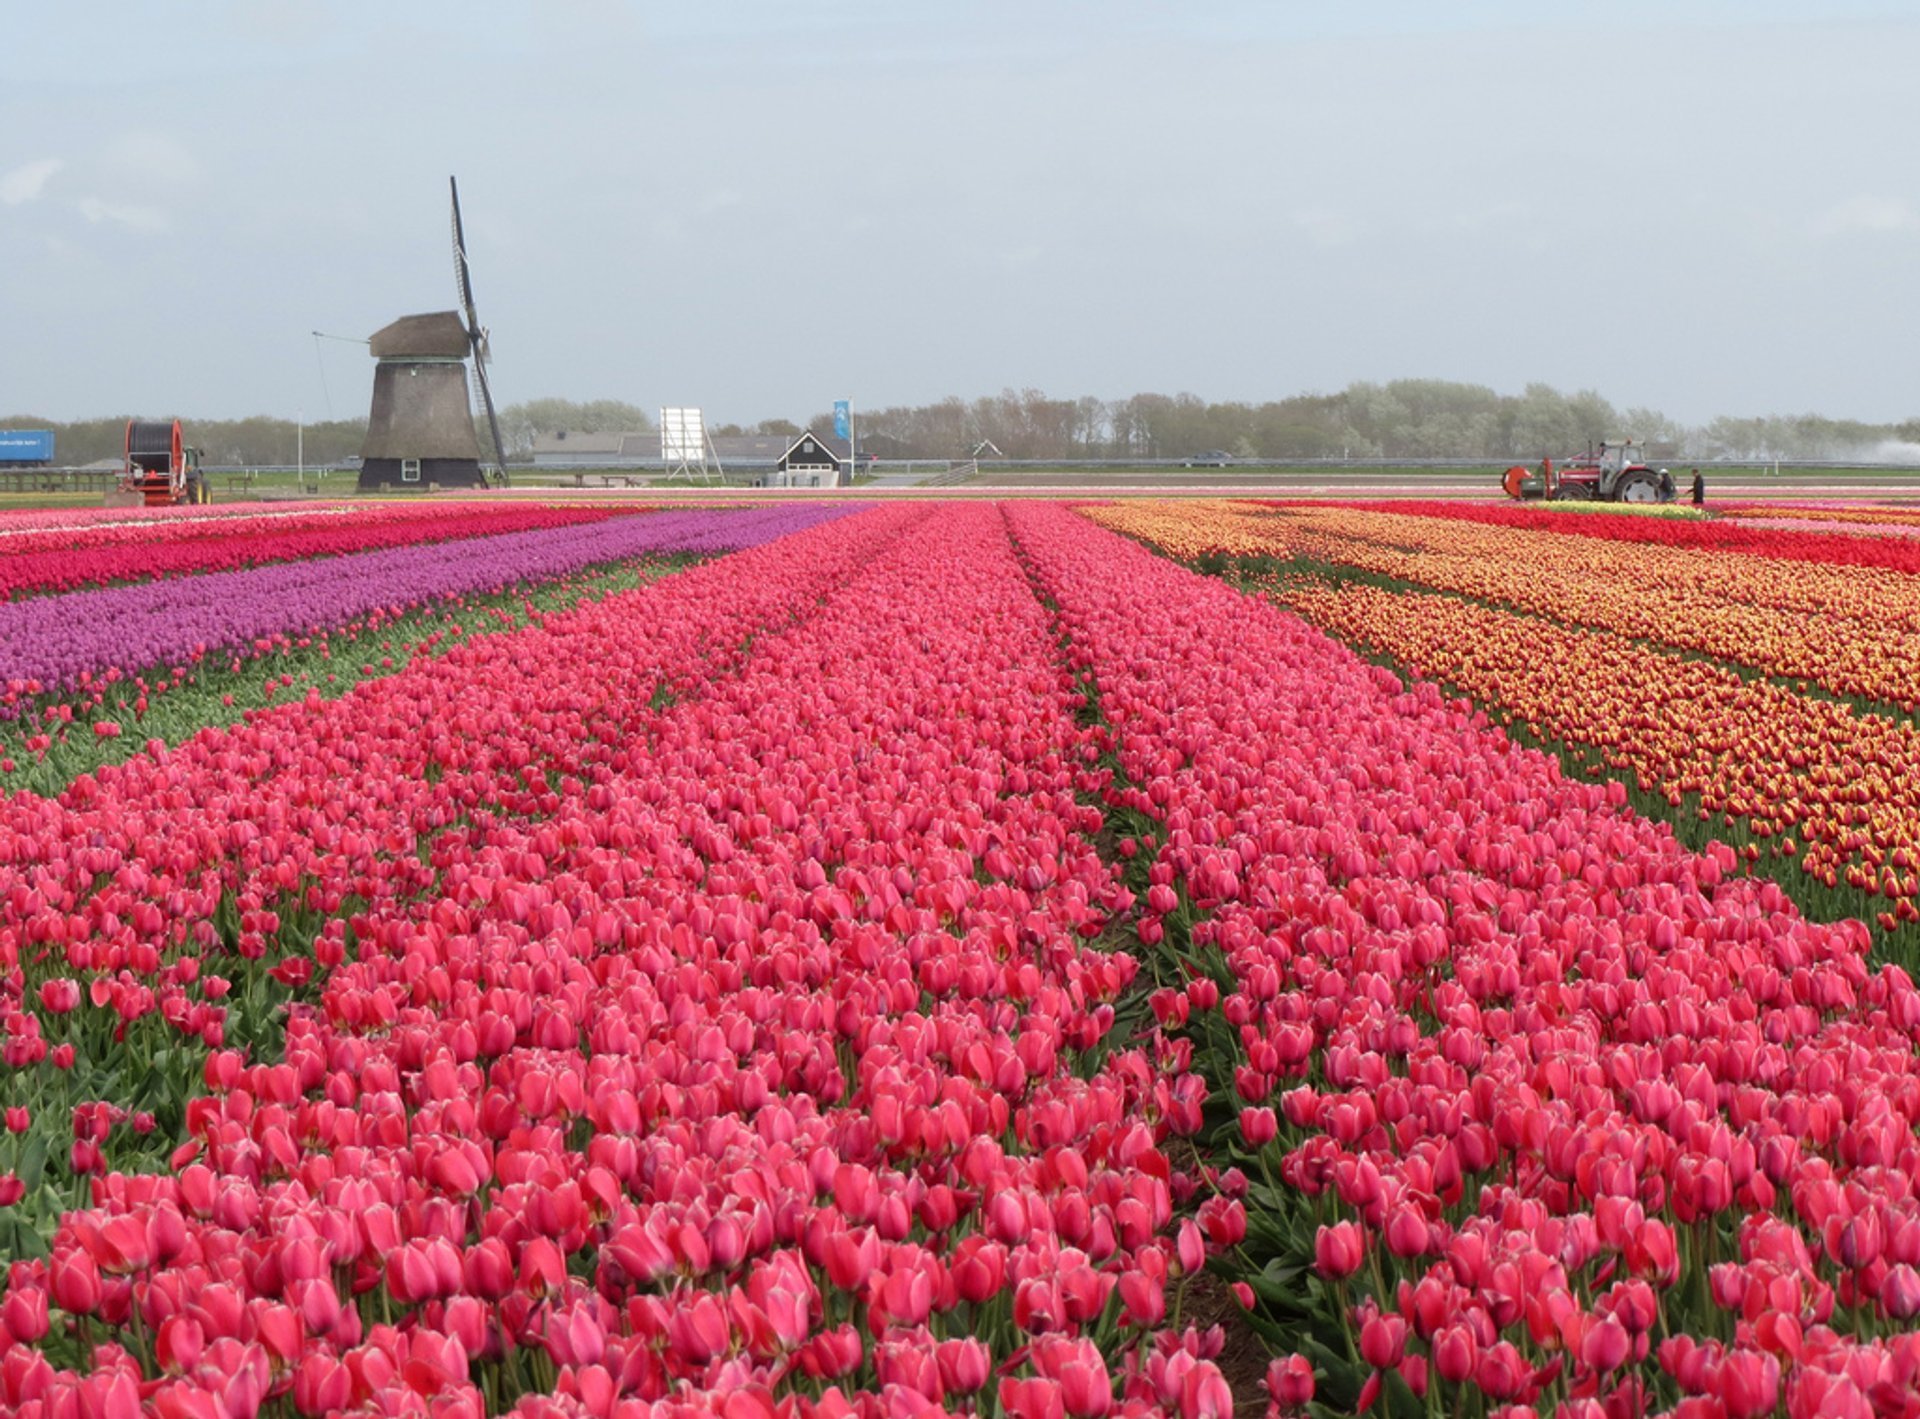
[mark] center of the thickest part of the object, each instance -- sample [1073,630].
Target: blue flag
[842,417]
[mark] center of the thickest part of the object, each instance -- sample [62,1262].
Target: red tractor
[1616,474]
[160,470]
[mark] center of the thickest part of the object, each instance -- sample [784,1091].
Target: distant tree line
[1366,422]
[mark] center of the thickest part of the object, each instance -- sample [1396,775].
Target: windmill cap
[440,334]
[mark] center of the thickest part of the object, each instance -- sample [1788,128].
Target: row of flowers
[67,557]
[70,518]
[116,719]
[1856,529]
[1836,790]
[738,1049]
[66,643]
[1877,518]
[1849,630]
[1702,534]
[1191,530]
[161,880]
[1571,1115]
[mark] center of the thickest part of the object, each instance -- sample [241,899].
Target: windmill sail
[476,335]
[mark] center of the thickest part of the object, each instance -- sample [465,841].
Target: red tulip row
[739,1049]
[1579,1118]
[67,557]
[1838,549]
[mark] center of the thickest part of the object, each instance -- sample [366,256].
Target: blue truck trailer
[26,448]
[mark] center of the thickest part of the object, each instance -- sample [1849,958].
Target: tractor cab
[1617,458]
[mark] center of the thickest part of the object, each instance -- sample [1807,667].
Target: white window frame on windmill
[409,470]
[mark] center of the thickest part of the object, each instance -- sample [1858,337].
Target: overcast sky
[1703,206]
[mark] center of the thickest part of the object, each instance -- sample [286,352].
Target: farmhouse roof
[836,447]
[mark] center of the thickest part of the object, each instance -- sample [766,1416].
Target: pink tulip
[75,1283]
[1605,1345]
[964,1365]
[321,1385]
[1407,1233]
[1205,1394]
[1383,1340]
[1258,1127]
[1455,1353]
[575,1337]
[1290,1381]
[23,1315]
[978,1269]
[1749,1384]
[542,1269]
[1338,1250]
[1036,1398]
[1144,1299]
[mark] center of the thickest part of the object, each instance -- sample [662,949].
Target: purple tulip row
[55,641]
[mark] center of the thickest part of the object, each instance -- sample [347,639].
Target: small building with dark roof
[814,460]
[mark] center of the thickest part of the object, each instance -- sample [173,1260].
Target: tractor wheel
[1568,493]
[1638,488]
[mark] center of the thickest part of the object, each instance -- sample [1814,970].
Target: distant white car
[1212,458]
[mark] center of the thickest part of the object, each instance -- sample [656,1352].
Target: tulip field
[827,959]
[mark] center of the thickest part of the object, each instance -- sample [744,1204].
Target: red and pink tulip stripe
[1588,1119]
[727,1054]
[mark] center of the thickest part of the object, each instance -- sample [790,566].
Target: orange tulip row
[1851,630]
[1190,530]
[1845,784]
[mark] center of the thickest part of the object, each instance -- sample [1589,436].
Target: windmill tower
[420,432]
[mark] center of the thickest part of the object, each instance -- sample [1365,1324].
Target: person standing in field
[1699,489]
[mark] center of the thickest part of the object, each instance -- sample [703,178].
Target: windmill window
[409,470]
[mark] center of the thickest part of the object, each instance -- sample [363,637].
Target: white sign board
[683,437]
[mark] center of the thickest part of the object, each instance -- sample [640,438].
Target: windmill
[420,430]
